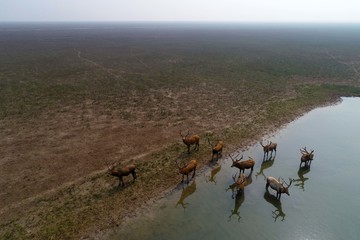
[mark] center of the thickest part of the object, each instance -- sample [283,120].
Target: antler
[304,151]
[236,157]
[239,158]
[107,164]
[288,185]
[111,166]
[283,180]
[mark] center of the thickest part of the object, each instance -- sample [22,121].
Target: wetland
[74,96]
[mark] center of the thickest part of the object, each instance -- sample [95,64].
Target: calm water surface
[324,201]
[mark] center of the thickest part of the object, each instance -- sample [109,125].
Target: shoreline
[150,204]
[93,206]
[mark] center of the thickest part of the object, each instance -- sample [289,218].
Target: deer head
[286,189]
[235,161]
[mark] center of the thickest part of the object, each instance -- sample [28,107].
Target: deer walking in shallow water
[242,165]
[306,157]
[278,186]
[270,147]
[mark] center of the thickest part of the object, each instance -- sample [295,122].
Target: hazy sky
[181,10]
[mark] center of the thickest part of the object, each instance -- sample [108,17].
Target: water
[323,202]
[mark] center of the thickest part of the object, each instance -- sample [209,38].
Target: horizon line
[182,21]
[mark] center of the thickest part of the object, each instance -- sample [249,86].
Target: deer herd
[279,185]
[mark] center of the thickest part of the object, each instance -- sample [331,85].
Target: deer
[191,140]
[187,169]
[121,172]
[242,165]
[306,157]
[240,182]
[270,147]
[217,149]
[278,186]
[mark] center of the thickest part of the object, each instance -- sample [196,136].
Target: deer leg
[134,175]
[121,182]
[194,173]
[267,186]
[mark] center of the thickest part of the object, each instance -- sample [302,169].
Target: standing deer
[278,186]
[217,149]
[306,157]
[191,140]
[188,168]
[242,165]
[270,147]
[121,172]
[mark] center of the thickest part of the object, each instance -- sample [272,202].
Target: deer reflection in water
[186,192]
[212,177]
[266,163]
[239,199]
[300,182]
[239,196]
[277,204]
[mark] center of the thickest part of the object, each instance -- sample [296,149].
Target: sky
[181,10]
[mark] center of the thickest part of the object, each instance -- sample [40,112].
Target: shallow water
[323,202]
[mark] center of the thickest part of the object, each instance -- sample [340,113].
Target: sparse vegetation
[69,99]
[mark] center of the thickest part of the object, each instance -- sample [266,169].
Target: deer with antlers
[242,165]
[306,157]
[217,149]
[187,169]
[240,182]
[121,172]
[270,147]
[191,140]
[278,186]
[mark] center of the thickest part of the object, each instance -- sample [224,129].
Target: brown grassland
[72,100]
